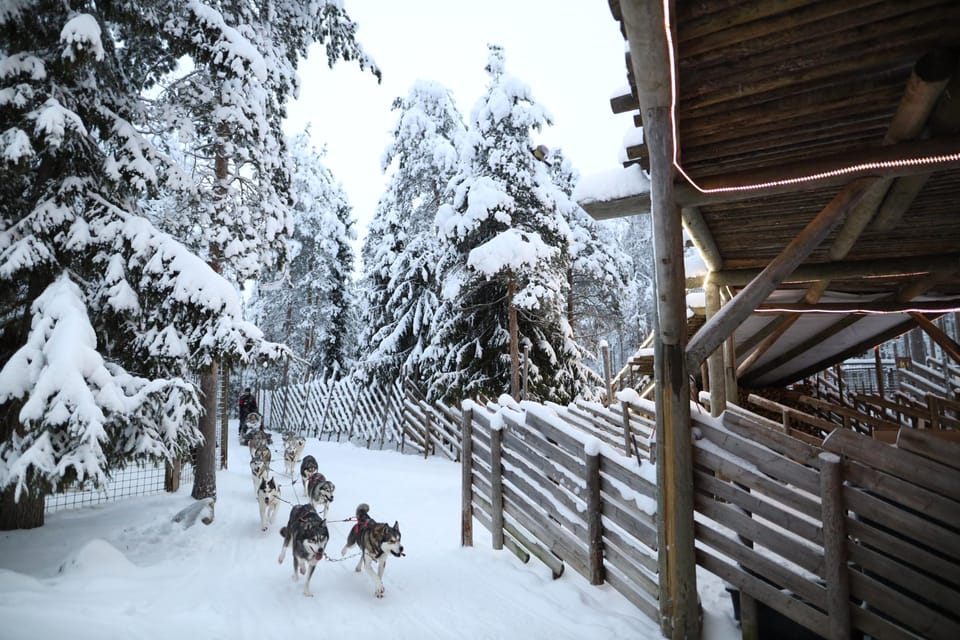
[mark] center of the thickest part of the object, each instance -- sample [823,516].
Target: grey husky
[292,448]
[320,491]
[308,534]
[375,539]
[268,497]
[308,467]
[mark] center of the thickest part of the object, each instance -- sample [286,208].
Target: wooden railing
[557,483]
[856,536]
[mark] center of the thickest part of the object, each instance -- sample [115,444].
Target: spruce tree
[307,303]
[401,249]
[505,258]
[599,272]
[104,317]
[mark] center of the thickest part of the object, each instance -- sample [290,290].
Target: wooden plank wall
[875,542]
[558,484]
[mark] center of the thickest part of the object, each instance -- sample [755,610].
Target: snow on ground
[125,570]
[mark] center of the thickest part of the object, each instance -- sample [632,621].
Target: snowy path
[135,574]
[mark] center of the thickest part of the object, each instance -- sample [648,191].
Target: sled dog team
[306,531]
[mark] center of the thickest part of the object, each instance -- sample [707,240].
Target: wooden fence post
[224,416]
[627,432]
[835,546]
[496,486]
[605,352]
[594,523]
[466,462]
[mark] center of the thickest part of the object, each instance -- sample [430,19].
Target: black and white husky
[320,491]
[292,448]
[308,534]
[375,540]
[308,467]
[259,470]
[268,496]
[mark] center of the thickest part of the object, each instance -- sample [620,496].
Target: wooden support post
[627,432]
[677,572]
[878,364]
[466,467]
[605,352]
[496,487]
[594,524]
[835,570]
[715,374]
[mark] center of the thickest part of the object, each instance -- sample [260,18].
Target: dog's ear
[396,526]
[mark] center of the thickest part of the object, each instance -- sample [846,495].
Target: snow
[611,185]
[127,566]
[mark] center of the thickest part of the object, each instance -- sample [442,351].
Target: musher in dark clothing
[248,405]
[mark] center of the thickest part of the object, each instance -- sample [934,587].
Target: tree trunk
[25,514]
[205,465]
[514,342]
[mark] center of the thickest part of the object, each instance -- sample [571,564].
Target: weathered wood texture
[590,511]
[779,525]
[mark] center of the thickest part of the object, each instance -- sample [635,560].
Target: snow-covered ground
[125,570]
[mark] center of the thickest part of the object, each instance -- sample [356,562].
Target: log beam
[732,315]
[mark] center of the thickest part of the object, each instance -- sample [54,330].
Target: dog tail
[363,509]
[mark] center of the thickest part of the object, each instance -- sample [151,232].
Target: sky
[570,53]
[126,570]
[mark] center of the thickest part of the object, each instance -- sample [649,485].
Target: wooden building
[811,149]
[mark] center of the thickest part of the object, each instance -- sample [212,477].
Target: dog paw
[308,594]
[379,593]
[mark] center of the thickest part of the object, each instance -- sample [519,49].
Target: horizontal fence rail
[557,483]
[856,535]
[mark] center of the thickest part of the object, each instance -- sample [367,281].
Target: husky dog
[320,490]
[308,533]
[258,438]
[268,496]
[292,448]
[374,539]
[259,469]
[308,467]
[261,453]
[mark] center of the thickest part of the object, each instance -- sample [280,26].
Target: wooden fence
[852,536]
[558,484]
[396,415]
[858,535]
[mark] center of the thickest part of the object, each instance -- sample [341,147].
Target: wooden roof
[774,90]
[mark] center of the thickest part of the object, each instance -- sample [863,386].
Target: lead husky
[268,496]
[374,539]
[320,491]
[308,533]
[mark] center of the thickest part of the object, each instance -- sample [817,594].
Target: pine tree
[230,108]
[505,258]
[104,317]
[401,249]
[307,304]
[599,272]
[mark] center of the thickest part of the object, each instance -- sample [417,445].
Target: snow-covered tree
[228,111]
[505,259]
[636,239]
[306,304]
[599,272]
[401,250]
